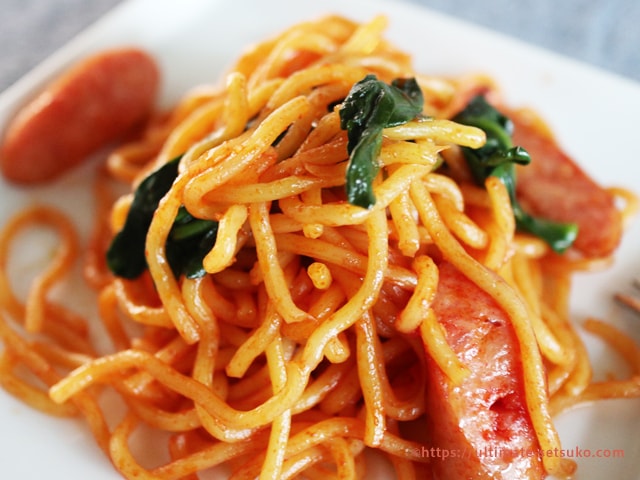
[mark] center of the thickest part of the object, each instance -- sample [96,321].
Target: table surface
[601,33]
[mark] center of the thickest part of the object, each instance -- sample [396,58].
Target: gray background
[604,33]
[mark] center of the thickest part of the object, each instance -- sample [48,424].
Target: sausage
[553,186]
[94,103]
[481,428]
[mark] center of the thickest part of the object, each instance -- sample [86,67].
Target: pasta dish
[326,255]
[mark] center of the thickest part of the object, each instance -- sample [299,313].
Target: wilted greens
[370,107]
[189,240]
[498,158]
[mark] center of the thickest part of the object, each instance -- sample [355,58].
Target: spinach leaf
[370,107]
[189,240]
[125,256]
[498,158]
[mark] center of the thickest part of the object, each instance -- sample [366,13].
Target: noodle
[301,345]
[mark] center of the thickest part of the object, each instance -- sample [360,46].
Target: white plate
[593,113]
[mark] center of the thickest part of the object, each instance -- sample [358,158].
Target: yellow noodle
[223,252]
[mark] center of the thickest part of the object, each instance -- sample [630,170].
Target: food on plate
[543,188]
[326,254]
[96,102]
[489,402]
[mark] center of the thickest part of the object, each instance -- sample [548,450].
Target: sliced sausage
[553,186]
[95,102]
[481,428]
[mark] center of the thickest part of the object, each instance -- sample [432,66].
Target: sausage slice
[95,102]
[481,428]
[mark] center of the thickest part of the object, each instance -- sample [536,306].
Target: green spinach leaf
[498,158]
[125,256]
[189,240]
[370,107]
